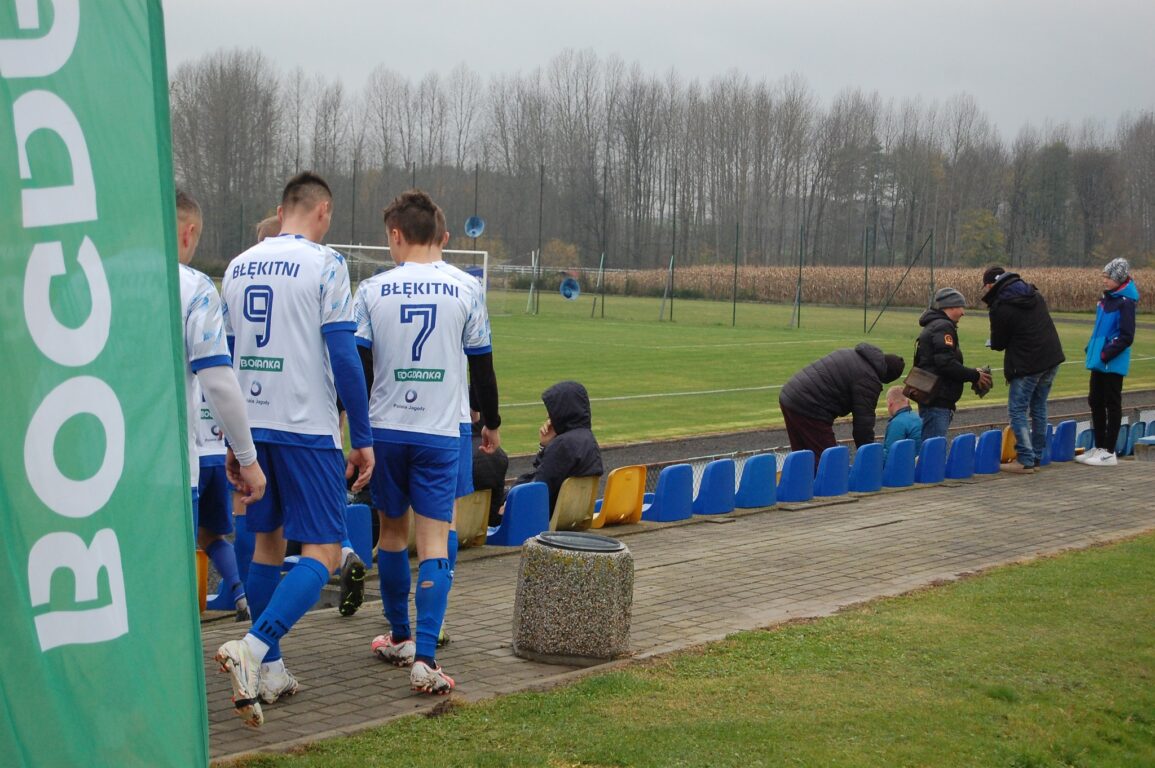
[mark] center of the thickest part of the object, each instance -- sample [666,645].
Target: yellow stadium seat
[574,510]
[622,503]
[1008,445]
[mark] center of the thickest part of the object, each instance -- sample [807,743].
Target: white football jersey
[210,436]
[419,318]
[204,343]
[280,296]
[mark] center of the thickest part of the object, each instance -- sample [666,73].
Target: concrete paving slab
[790,563]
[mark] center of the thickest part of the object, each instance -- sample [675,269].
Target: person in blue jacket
[904,423]
[1108,360]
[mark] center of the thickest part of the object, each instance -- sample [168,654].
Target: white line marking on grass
[658,394]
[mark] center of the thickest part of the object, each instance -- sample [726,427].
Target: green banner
[100,656]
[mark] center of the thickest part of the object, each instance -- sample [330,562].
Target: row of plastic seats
[761,486]
[1129,434]
[527,506]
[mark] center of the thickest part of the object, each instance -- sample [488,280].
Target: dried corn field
[1066,289]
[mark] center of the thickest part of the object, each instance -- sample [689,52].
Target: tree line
[591,156]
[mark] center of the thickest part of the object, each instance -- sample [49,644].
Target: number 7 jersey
[418,319]
[280,298]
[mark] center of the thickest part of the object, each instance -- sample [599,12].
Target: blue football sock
[259,588]
[395,579]
[433,581]
[452,552]
[224,559]
[298,592]
[243,546]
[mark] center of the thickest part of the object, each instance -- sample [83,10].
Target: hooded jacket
[1109,350]
[847,381]
[939,352]
[1021,328]
[573,452]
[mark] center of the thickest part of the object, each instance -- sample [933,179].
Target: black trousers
[1106,401]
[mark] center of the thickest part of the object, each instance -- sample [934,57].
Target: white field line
[694,393]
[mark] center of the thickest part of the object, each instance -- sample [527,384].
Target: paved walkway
[802,561]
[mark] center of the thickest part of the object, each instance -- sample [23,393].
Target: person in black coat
[847,381]
[938,351]
[568,447]
[1022,329]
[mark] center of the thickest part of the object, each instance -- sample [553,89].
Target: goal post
[367,260]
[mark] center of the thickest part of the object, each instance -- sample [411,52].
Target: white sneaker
[276,681]
[399,654]
[429,680]
[1088,454]
[1104,459]
[236,659]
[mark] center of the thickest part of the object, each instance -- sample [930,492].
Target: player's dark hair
[305,189]
[420,220]
[186,204]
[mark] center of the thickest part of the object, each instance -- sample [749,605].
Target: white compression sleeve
[223,395]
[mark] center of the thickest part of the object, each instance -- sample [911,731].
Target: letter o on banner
[63,495]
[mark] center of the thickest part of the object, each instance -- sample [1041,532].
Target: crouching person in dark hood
[568,447]
[847,381]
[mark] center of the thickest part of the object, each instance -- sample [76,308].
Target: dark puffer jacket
[847,381]
[573,452]
[938,351]
[1021,328]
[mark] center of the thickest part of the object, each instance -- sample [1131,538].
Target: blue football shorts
[216,497]
[305,493]
[465,462]
[417,476]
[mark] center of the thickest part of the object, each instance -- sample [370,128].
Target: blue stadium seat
[1063,448]
[960,462]
[866,472]
[931,465]
[833,472]
[1138,430]
[1048,446]
[1122,439]
[673,498]
[797,481]
[526,515]
[716,491]
[899,469]
[989,452]
[758,486]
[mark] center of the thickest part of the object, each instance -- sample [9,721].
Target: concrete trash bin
[575,592]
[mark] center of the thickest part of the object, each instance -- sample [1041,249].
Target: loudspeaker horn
[570,289]
[474,226]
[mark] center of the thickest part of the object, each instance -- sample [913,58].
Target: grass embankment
[1046,664]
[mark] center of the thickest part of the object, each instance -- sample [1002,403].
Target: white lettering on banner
[61,344]
[41,110]
[62,494]
[40,56]
[67,551]
[34,111]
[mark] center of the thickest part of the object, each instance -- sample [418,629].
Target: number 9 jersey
[418,319]
[281,296]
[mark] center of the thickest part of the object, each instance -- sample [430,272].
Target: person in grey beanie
[1109,359]
[938,351]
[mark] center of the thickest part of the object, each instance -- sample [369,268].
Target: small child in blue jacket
[904,423]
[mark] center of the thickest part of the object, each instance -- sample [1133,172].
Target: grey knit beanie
[1118,270]
[948,297]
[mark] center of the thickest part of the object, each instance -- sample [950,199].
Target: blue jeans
[1027,407]
[935,421]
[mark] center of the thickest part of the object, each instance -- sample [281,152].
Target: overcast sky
[1023,61]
